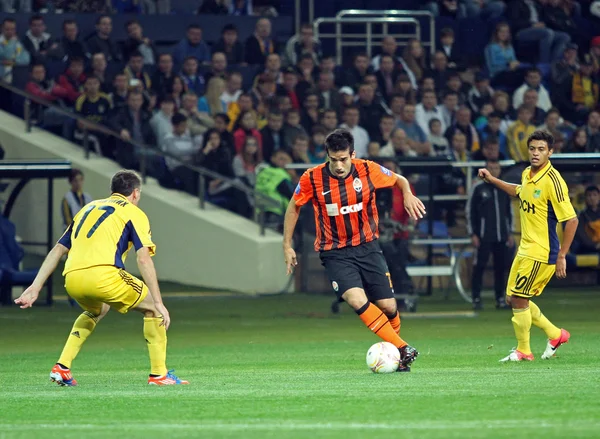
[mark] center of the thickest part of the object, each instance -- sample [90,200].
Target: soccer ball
[383,357]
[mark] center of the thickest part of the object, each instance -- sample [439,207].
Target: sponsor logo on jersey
[386,171]
[335,210]
[297,191]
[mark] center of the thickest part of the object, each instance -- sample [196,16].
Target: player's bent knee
[388,306]
[355,297]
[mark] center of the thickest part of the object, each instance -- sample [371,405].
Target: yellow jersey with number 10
[544,202]
[103,232]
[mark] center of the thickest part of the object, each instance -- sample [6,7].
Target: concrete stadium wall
[210,248]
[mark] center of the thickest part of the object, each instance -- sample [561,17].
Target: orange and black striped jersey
[345,210]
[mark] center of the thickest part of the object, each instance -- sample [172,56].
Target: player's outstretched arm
[31,294]
[568,235]
[509,188]
[414,206]
[146,266]
[289,224]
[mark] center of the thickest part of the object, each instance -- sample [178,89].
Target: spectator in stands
[490,150]
[405,89]
[389,46]
[292,127]
[161,120]
[525,18]
[370,111]
[133,123]
[517,135]
[384,131]
[13,5]
[120,89]
[177,90]
[260,44]
[329,96]
[198,123]
[595,53]
[464,125]
[593,131]
[69,46]
[446,8]
[127,6]
[137,43]
[246,127]
[439,144]
[500,58]
[183,149]
[275,182]
[273,68]
[211,102]
[557,16]
[241,8]
[94,106]
[243,104]
[448,109]
[12,52]
[453,183]
[272,135]
[587,237]
[489,222]
[386,76]
[427,110]
[577,98]
[316,150]
[233,89]
[329,119]
[290,82]
[75,199]
[100,42]
[300,150]
[417,139]
[191,46]
[221,122]
[578,142]
[455,85]
[356,74]
[554,122]
[303,44]
[98,69]
[306,76]
[230,45]
[440,71]
[37,41]
[72,80]
[135,70]
[414,61]
[193,81]
[162,79]
[501,104]
[533,80]
[398,146]
[361,136]
[48,90]
[530,100]
[309,115]
[564,69]
[214,7]
[218,67]
[373,149]
[263,93]
[492,130]
[480,94]
[246,160]
[397,103]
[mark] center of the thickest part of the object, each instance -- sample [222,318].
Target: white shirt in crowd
[423,116]
[544,101]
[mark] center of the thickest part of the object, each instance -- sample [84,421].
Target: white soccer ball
[383,357]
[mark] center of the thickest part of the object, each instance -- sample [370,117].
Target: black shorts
[363,267]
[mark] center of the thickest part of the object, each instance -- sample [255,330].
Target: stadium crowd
[189,100]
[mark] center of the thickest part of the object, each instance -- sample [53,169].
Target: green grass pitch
[283,367]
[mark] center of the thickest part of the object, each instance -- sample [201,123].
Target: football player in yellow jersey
[544,201]
[96,244]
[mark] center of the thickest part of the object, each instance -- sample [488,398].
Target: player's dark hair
[125,182]
[339,140]
[74,174]
[543,136]
[591,189]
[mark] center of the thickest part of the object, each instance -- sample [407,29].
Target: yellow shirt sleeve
[140,231]
[559,197]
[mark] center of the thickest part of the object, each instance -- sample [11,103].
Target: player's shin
[82,328]
[378,322]
[395,322]
[522,323]
[542,322]
[156,338]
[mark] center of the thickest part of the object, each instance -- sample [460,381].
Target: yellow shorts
[528,278]
[91,287]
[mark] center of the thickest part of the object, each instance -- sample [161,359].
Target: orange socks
[395,322]
[378,322]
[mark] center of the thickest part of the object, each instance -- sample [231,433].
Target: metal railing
[261,201]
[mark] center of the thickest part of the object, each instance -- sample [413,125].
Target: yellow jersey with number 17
[103,232]
[544,202]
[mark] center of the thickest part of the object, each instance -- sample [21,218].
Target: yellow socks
[522,323]
[156,337]
[542,322]
[82,328]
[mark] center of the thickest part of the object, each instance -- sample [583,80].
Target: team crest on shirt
[537,193]
[335,286]
[357,184]
[386,171]
[297,191]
